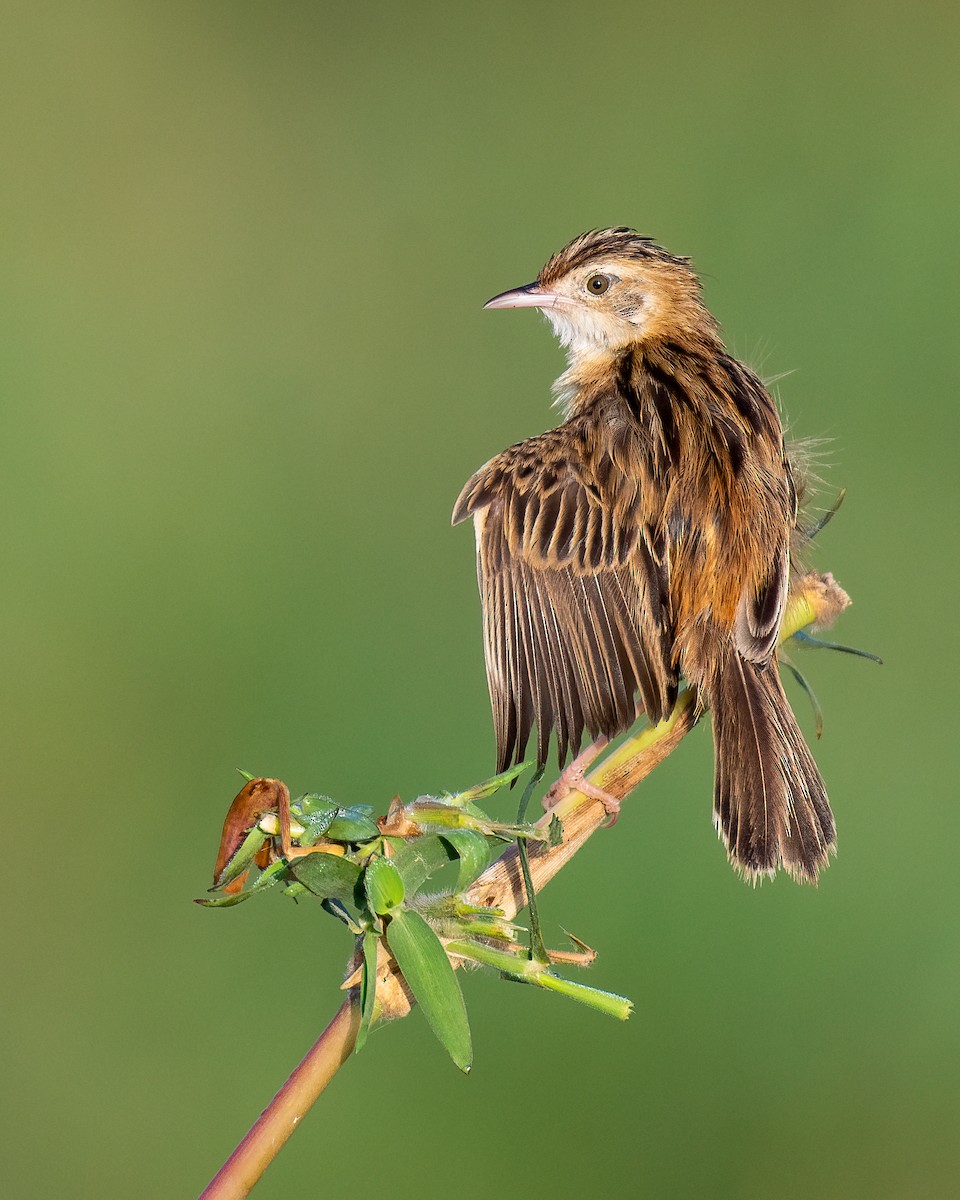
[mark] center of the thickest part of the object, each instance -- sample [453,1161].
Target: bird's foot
[574,779]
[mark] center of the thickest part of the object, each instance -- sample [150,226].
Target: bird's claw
[573,779]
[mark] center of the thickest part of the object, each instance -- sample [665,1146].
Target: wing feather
[576,603]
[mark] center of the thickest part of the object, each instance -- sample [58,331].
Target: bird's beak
[529,296]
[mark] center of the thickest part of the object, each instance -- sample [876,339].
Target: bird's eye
[598,284]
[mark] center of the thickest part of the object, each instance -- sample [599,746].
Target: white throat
[584,331]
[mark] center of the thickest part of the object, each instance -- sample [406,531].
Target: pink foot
[573,779]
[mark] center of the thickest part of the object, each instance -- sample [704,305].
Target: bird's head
[610,288]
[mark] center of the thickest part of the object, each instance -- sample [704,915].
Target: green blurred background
[245,372]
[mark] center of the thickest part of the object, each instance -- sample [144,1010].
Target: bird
[648,539]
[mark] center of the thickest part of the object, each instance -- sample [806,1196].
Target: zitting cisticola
[646,537]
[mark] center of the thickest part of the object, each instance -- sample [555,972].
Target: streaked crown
[603,245]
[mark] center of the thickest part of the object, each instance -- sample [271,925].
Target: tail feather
[770,804]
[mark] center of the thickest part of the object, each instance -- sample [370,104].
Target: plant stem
[279,1119]
[816,599]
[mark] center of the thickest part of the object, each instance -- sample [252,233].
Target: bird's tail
[770,806]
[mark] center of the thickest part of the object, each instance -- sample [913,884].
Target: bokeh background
[245,372]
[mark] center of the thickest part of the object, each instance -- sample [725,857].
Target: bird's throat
[590,374]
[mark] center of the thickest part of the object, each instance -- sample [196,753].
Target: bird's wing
[575,596]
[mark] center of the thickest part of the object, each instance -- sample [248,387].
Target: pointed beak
[529,296]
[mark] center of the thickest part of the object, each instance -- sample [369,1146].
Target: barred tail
[770,806]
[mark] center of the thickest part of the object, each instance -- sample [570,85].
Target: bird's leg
[573,779]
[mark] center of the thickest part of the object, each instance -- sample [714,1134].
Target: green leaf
[223,901]
[368,986]
[489,786]
[316,814]
[266,880]
[605,1002]
[807,639]
[525,970]
[529,790]
[430,975]
[352,825]
[473,850]
[312,804]
[419,859]
[383,884]
[249,848]
[320,815]
[327,875]
[342,913]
